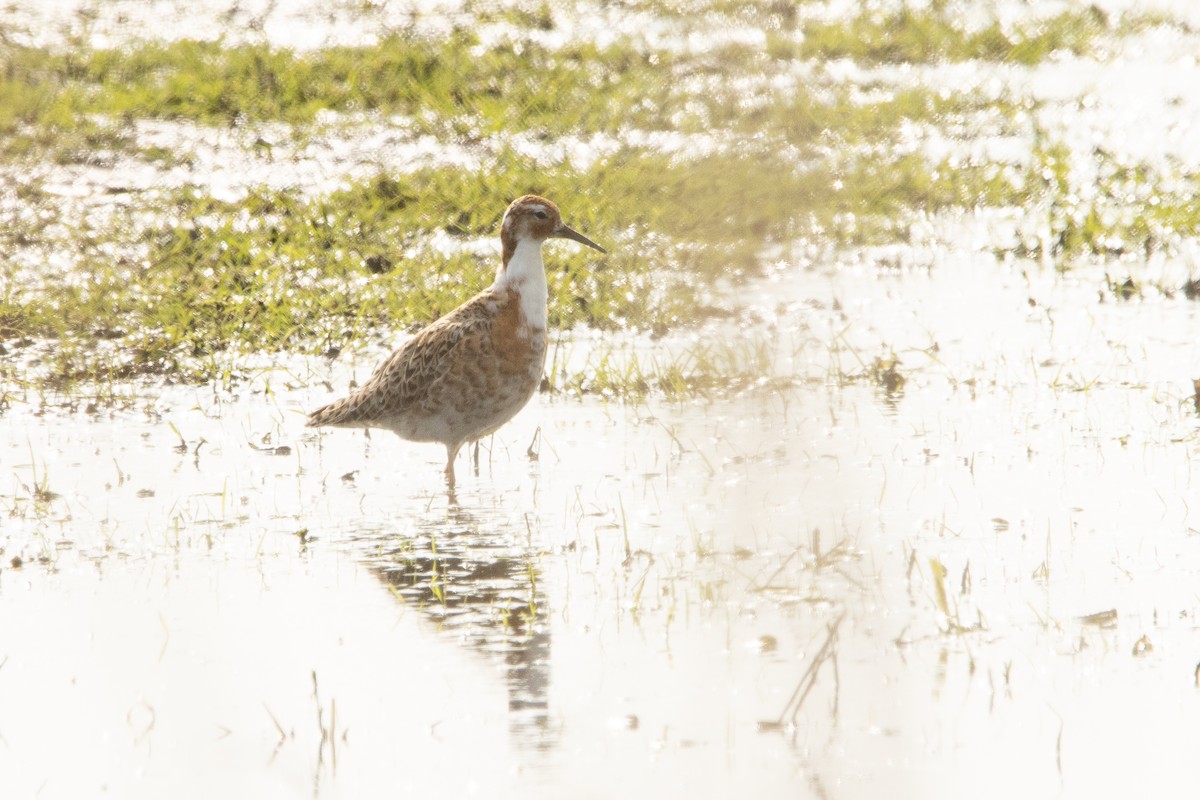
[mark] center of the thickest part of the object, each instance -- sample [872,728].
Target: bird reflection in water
[478,582]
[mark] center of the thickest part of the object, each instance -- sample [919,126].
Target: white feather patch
[527,275]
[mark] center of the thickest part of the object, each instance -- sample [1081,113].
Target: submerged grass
[703,369]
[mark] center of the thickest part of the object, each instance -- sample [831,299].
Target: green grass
[182,284]
[274,273]
[506,87]
[933,34]
[81,101]
[1129,210]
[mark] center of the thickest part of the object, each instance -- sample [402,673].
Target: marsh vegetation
[862,464]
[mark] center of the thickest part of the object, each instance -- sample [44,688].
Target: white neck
[525,274]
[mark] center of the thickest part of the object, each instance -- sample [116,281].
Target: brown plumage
[468,373]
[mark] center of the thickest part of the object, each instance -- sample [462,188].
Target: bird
[463,376]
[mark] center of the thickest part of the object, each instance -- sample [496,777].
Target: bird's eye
[540,214]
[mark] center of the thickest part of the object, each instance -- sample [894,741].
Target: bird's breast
[516,339]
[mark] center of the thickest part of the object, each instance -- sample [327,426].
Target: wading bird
[468,373]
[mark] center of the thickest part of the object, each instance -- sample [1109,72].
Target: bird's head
[536,218]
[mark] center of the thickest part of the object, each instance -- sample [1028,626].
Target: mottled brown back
[455,381]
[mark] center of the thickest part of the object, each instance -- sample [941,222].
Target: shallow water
[629,610]
[978,582]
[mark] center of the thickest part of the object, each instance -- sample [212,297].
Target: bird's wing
[411,374]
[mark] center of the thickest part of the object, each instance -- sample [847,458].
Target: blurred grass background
[698,161]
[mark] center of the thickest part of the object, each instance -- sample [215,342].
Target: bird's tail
[339,412]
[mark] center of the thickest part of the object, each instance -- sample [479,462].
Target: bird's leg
[475,456]
[534,450]
[451,454]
